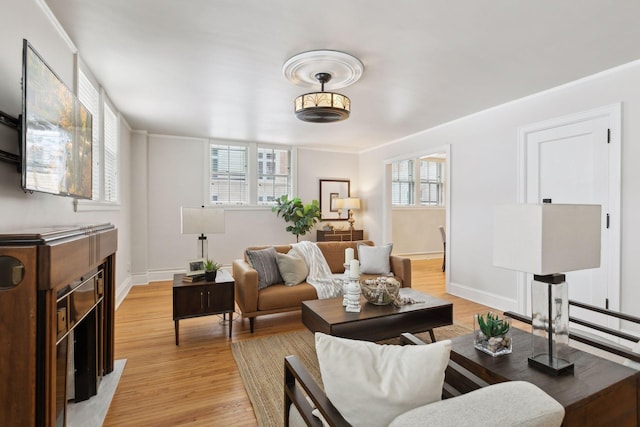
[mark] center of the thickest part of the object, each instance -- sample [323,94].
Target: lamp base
[553,365]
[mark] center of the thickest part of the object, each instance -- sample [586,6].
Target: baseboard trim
[422,255]
[140,279]
[122,291]
[482,297]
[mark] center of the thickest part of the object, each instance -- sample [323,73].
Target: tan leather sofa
[280,298]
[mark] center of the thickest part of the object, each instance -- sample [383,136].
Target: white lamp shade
[546,238]
[201,220]
[351,203]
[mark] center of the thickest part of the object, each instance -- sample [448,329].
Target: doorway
[576,159]
[417,202]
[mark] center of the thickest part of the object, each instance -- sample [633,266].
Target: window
[105,148]
[402,183]
[274,174]
[228,171]
[249,174]
[110,155]
[418,179]
[431,183]
[90,97]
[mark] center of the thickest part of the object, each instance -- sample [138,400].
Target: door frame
[387,218]
[613,113]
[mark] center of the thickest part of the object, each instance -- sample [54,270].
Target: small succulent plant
[211,265]
[492,326]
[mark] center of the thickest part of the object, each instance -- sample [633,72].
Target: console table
[203,298]
[600,392]
[339,235]
[57,299]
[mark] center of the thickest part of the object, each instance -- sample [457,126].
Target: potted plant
[211,270]
[303,217]
[492,334]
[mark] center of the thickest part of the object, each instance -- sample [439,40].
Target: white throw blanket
[320,276]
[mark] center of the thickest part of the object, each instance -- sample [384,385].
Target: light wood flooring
[197,383]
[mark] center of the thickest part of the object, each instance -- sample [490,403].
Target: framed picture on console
[330,191]
[195,267]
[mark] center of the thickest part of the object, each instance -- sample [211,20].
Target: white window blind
[274,174]
[110,155]
[90,97]
[431,183]
[402,183]
[228,174]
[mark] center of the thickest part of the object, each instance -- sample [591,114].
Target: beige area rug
[261,365]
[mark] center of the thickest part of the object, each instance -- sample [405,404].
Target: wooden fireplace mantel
[40,271]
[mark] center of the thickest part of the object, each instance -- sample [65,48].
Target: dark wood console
[57,298]
[339,235]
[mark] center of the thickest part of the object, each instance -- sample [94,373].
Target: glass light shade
[322,107]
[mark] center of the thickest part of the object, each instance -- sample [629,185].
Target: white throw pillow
[374,259]
[293,269]
[371,384]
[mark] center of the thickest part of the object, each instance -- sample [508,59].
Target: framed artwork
[330,191]
[195,266]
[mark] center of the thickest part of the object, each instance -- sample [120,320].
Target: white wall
[18,210]
[175,171]
[415,231]
[484,174]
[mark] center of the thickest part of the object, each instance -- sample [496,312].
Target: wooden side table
[339,235]
[203,298]
[599,392]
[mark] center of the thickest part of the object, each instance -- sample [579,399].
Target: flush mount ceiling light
[323,66]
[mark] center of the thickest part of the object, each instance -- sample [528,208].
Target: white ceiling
[213,68]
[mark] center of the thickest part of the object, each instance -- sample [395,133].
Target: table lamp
[200,221]
[350,204]
[548,240]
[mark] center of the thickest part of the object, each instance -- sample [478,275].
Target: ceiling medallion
[323,66]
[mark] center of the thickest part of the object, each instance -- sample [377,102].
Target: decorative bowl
[380,291]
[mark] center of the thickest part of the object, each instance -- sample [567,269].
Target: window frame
[251,172]
[417,182]
[98,201]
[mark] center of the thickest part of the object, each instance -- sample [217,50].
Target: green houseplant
[302,217]
[211,270]
[492,334]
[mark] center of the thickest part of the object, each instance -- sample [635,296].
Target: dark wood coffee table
[375,322]
[599,393]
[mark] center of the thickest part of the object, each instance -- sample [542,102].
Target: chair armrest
[401,267]
[246,288]
[294,371]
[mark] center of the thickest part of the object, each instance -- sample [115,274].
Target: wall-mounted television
[56,132]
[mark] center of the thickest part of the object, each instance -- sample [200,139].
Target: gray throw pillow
[374,259]
[293,269]
[265,263]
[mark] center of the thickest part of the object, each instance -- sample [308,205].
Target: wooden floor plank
[197,383]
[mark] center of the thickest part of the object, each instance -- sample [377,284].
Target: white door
[569,161]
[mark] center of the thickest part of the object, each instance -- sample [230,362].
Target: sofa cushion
[279,297]
[265,263]
[375,259]
[511,403]
[293,268]
[371,384]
